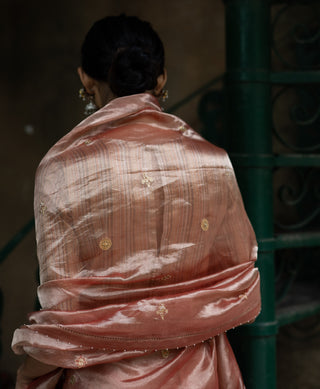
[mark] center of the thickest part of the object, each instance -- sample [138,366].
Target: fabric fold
[146,255]
[172,321]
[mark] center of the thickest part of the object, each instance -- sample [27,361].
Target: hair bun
[132,71]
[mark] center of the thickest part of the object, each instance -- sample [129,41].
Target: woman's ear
[161,82]
[87,81]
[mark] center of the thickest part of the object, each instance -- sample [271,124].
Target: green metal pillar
[249,131]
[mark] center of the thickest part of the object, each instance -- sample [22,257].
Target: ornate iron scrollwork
[297,200]
[296,35]
[296,118]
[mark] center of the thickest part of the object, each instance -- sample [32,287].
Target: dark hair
[125,52]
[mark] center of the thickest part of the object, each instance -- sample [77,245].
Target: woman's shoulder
[192,138]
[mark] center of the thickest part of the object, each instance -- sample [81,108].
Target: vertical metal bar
[249,131]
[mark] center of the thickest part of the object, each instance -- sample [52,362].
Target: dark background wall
[40,43]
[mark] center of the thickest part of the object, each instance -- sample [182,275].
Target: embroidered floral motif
[147,180]
[165,353]
[105,244]
[166,277]
[204,224]
[43,208]
[81,361]
[162,311]
[161,278]
[182,129]
[72,380]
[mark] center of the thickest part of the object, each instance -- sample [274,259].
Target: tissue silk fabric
[146,256]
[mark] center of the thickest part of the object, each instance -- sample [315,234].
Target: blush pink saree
[146,256]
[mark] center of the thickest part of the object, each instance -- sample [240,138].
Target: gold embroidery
[147,180]
[243,296]
[72,380]
[182,129]
[43,208]
[105,244]
[162,311]
[81,361]
[165,353]
[204,224]
[87,141]
[161,278]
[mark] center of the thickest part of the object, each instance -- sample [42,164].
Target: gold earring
[83,94]
[90,107]
[164,95]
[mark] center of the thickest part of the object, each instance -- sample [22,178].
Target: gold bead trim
[204,224]
[105,244]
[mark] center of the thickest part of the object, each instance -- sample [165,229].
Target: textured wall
[39,100]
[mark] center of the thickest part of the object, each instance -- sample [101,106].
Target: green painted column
[249,131]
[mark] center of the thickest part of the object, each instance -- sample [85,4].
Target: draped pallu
[146,255]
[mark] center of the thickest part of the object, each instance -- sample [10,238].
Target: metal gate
[273,127]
